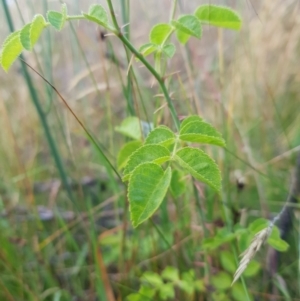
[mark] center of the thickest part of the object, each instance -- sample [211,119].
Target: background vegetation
[78,243]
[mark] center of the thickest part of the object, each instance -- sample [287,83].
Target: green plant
[162,145]
[142,161]
[148,182]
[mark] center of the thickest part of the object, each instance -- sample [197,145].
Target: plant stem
[159,79]
[78,17]
[41,114]
[173,10]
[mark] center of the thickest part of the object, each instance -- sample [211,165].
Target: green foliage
[200,165]
[98,15]
[163,286]
[147,153]
[276,242]
[178,183]
[146,190]
[187,25]
[162,145]
[11,49]
[125,152]
[169,50]
[274,239]
[221,281]
[228,262]
[131,127]
[238,293]
[219,16]
[162,162]
[161,135]
[31,32]
[160,33]
[196,130]
[57,19]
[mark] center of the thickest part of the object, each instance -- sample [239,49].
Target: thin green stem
[80,122]
[173,10]
[41,114]
[152,70]
[77,17]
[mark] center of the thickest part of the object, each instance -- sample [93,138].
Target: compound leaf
[11,49]
[219,16]
[200,165]
[147,188]
[201,132]
[148,153]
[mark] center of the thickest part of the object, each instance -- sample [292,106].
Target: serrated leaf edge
[200,176]
[144,145]
[164,173]
[219,6]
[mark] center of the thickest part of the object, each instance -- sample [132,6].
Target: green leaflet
[169,50]
[146,190]
[131,127]
[161,135]
[221,281]
[276,242]
[126,151]
[98,15]
[188,24]
[56,19]
[228,261]
[238,293]
[178,184]
[147,49]
[170,273]
[160,33]
[11,49]
[148,153]
[220,16]
[37,25]
[31,32]
[252,269]
[25,36]
[196,130]
[190,119]
[182,37]
[200,165]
